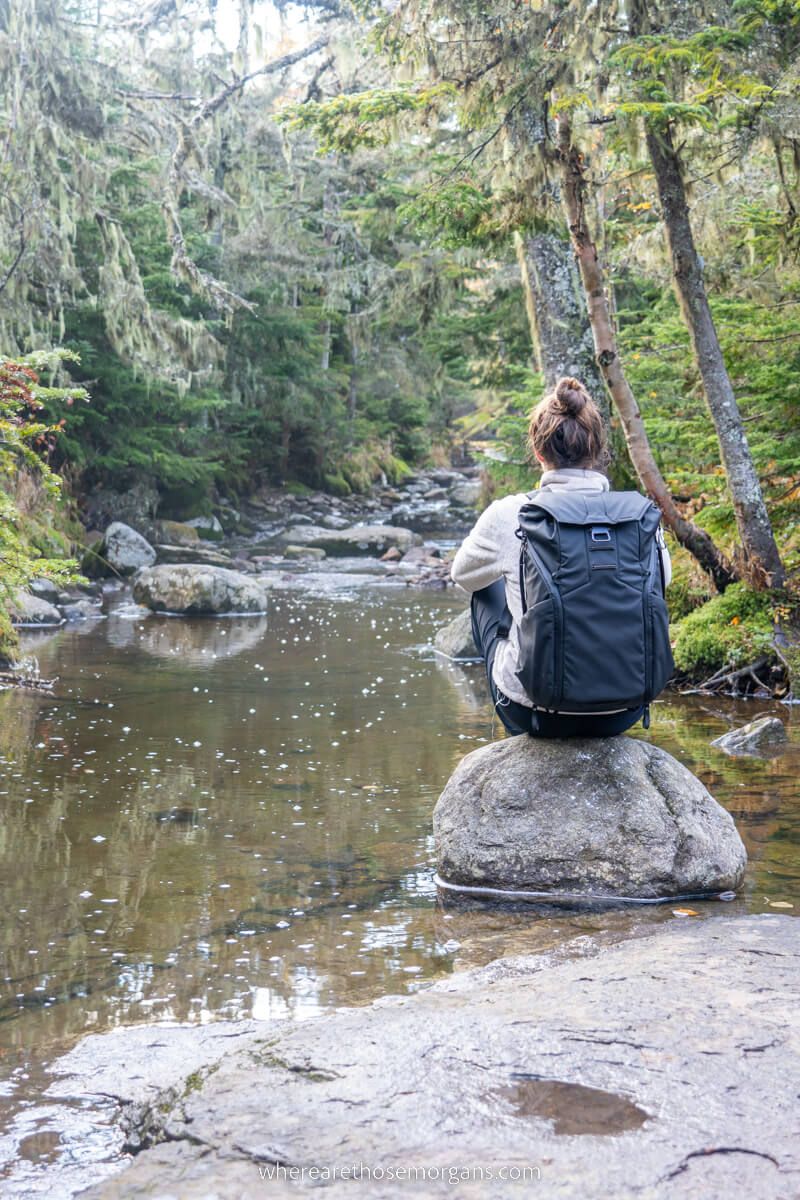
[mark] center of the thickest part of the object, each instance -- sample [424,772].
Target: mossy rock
[337,485]
[729,631]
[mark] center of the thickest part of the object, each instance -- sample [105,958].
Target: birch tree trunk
[697,541]
[562,339]
[761,564]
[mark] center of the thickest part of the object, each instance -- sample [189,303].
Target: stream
[215,819]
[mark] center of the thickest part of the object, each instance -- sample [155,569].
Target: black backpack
[594,635]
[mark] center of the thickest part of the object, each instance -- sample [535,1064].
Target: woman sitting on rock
[568,439]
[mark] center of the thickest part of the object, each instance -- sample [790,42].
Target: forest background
[245,245]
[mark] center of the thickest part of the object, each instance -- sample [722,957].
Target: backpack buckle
[601,534]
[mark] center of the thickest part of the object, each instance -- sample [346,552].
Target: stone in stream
[208,528]
[357,539]
[195,588]
[34,612]
[196,553]
[666,1060]
[602,817]
[177,533]
[310,553]
[764,736]
[455,639]
[122,551]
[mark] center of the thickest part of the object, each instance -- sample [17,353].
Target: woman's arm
[479,561]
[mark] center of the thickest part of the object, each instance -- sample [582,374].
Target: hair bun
[571,395]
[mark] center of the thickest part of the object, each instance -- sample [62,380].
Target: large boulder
[455,638]
[765,736]
[604,817]
[125,550]
[358,539]
[196,588]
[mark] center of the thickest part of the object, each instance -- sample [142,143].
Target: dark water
[214,819]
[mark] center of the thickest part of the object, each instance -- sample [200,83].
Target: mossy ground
[727,632]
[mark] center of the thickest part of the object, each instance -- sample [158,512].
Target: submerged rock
[357,539]
[765,736]
[125,550]
[602,817]
[196,588]
[455,639]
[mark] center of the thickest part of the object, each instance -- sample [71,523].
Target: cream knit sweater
[491,551]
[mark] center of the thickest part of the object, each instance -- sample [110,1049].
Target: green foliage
[361,119]
[27,483]
[729,631]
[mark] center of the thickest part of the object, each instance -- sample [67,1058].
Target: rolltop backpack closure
[594,635]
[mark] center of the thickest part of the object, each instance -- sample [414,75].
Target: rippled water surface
[232,818]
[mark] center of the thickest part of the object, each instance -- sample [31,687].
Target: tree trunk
[562,339]
[696,540]
[761,562]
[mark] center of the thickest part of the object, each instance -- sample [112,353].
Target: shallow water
[214,819]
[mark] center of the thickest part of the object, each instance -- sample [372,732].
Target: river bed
[214,819]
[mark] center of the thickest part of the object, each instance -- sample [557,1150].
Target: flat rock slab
[358,539]
[663,1066]
[598,817]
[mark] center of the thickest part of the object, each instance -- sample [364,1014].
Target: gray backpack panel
[594,635]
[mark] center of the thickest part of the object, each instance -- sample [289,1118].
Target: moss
[295,488]
[396,469]
[729,631]
[337,485]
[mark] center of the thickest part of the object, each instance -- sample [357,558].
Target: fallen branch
[9,679]
[725,676]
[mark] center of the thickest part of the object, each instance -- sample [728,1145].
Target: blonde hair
[566,428]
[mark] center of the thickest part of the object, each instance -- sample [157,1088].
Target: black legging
[491,621]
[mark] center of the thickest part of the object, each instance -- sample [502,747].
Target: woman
[568,439]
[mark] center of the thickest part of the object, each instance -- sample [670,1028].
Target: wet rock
[764,736]
[197,553]
[392,555]
[177,533]
[634,1043]
[310,553]
[357,539]
[196,588]
[422,515]
[467,493]
[33,612]
[333,521]
[45,589]
[598,817]
[420,554]
[125,550]
[81,610]
[455,638]
[208,528]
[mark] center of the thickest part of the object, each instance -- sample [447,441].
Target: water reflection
[224,818]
